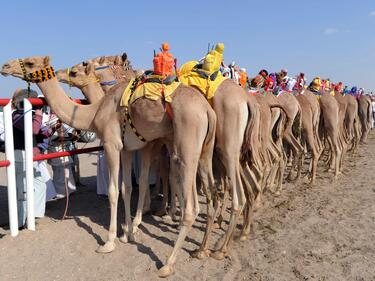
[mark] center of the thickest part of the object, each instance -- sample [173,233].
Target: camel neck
[75,115]
[93,92]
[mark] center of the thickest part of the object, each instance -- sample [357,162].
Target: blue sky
[330,38]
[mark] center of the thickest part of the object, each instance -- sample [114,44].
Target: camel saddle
[192,74]
[150,86]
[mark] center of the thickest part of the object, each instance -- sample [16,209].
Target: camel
[352,122]
[290,105]
[331,126]
[236,114]
[225,143]
[106,118]
[364,112]
[308,136]
[84,77]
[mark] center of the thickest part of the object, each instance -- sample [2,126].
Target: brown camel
[364,112]
[106,118]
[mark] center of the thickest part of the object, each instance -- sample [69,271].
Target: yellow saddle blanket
[190,77]
[149,90]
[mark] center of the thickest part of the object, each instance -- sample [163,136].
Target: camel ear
[84,63]
[102,60]
[118,60]
[90,68]
[47,60]
[124,57]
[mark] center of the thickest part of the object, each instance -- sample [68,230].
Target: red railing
[40,101]
[4,163]
[66,153]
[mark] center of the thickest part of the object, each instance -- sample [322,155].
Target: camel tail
[297,125]
[250,145]
[287,117]
[209,141]
[368,114]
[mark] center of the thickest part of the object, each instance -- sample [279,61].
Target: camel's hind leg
[184,164]
[238,202]
[208,185]
[143,183]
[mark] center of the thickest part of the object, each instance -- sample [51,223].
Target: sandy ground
[322,233]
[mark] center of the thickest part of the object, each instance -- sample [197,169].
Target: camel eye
[29,64]
[73,73]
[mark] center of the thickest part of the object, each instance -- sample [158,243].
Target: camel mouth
[4,72]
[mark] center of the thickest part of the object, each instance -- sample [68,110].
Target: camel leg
[164,173]
[143,184]
[184,166]
[208,186]
[113,159]
[238,201]
[126,192]
[250,182]
[219,215]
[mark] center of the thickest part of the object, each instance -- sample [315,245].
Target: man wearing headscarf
[19,154]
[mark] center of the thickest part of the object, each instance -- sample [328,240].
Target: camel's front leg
[113,159]
[126,192]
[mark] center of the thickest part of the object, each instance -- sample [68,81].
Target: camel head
[78,76]
[114,69]
[24,68]
[114,60]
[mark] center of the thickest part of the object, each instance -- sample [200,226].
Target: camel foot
[257,205]
[277,193]
[218,255]
[124,239]
[201,254]
[216,225]
[106,248]
[146,210]
[244,237]
[161,212]
[165,271]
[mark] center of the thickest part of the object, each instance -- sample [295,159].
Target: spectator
[19,151]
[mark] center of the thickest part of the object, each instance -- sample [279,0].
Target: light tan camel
[84,77]
[308,137]
[331,127]
[352,122]
[291,106]
[364,112]
[233,125]
[106,118]
[236,114]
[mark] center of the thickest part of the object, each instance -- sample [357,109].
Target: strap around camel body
[151,90]
[192,74]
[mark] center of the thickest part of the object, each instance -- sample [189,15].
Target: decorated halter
[38,76]
[106,83]
[118,73]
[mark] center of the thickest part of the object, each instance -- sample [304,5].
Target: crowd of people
[49,135]
[278,82]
